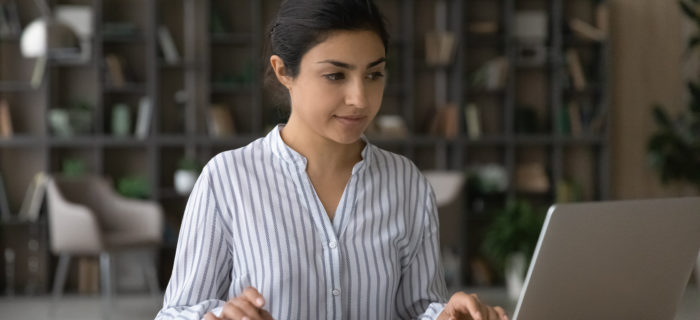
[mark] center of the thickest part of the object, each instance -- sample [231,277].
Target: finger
[250,311]
[232,312]
[483,308]
[265,315]
[493,315]
[465,303]
[501,313]
[210,316]
[254,296]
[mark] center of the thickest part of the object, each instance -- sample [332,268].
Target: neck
[322,154]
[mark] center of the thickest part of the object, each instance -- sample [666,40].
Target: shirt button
[333,244]
[336,292]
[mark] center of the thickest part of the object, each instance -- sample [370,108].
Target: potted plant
[674,149]
[135,186]
[510,242]
[186,175]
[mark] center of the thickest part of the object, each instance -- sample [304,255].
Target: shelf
[19,140]
[75,141]
[482,92]
[71,63]
[12,86]
[236,140]
[98,141]
[545,139]
[129,88]
[485,140]
[131,39]
[110,141]
[179,65]
[173,139]
[10,38]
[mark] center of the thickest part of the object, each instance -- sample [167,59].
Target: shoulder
[401,167]
[223,161]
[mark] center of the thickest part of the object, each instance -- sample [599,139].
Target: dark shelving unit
[179,129]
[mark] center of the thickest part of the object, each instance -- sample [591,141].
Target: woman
[312,221]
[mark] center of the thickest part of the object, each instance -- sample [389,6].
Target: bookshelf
[220,44]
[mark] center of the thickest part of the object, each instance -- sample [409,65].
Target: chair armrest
[138,217]
[73,228]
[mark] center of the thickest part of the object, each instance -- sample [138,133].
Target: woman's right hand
[247,306]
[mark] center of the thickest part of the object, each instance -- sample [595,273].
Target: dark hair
[301,24]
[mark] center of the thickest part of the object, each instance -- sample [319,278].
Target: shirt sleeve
[422,292]
[201,271]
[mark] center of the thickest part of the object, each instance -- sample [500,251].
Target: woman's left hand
[469,307]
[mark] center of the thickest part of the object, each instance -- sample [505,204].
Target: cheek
[316,100]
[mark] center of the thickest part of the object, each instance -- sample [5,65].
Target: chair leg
[59,282]
[106,284]
[61,273]
[697,272]
[149,271]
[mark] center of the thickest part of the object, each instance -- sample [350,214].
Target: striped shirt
[254,219]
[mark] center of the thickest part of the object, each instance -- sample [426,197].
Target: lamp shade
[41,35]
[33,42]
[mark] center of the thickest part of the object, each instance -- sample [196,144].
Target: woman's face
[340,85]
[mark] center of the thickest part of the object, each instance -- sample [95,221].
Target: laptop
[612,260]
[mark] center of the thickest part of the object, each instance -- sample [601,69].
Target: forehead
[353,47]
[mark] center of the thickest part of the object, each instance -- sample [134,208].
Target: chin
[345,137]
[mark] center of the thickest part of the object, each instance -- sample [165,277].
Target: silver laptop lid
[612,260]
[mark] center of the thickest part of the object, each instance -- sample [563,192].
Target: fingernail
[259,302]
[477,316]
[246,318]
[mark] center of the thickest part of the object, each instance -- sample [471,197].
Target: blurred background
[111,108]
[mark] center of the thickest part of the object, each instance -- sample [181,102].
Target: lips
[351,119]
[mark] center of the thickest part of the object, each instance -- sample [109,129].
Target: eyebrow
[352,67]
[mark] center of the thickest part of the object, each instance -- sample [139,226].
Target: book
[492,75]
[586,30]
[531,177]
[5,29]
[167,45]
[5,120]
[33,198]
[6,214]
[143,120]
[575,69]
[88,280]
[602,18]
[115,70]
[220,121]
[444,121]
[473,121]
[439,48]
[12,18]
[38,72]
[575,119]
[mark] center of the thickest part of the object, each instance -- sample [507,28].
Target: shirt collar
[291,156]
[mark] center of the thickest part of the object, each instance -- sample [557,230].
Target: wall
[647,42]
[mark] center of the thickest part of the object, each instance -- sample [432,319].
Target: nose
[356,94]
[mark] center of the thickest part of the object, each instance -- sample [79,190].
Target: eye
[375,75]
[334,76]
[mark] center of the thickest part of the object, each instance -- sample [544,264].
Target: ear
[280,71]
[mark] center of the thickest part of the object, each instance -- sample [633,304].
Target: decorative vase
[515,274]
[184,181]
